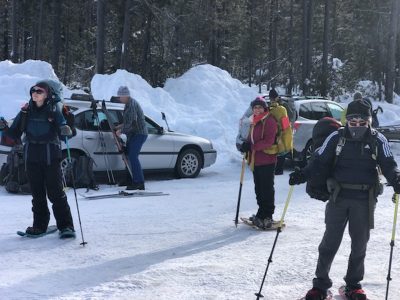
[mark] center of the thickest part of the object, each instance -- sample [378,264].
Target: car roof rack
[81,97]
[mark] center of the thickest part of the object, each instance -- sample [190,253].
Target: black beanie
[259,101]
[273,94]
[359,108]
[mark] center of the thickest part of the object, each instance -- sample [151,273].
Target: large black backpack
[83,175]
[13,174]
[316,186]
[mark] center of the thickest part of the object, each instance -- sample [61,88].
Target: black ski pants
[355,212]
[265,191]
[47,179]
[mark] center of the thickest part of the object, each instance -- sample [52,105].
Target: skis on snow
[123,194]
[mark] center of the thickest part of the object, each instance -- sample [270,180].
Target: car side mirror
[161,130]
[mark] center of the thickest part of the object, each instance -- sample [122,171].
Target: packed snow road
[183,246]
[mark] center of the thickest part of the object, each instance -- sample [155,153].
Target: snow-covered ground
[185,245]
[182,246]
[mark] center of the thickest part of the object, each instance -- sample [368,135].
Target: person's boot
[355,293]
[136,186]
[34,231]
[316,294]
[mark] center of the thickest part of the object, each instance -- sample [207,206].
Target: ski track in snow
[183,246]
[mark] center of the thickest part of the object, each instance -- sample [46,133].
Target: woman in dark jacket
[43,123]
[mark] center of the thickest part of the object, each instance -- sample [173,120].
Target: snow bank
[17,79]
[205,101]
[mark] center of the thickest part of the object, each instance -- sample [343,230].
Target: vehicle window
[335,110]
[151,128]
[87,121]
[306,111]
[320,110]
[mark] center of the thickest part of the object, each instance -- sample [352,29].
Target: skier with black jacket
[43,124]
[348,160]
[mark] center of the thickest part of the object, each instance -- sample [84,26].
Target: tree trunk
[125,35]
[55,55]
[66,60]
[325,75]
[391,57]
[5,33]
[146,59]
[274,33]
[251,43]
[14,31]
[38,40]
[100,37]
[290,54]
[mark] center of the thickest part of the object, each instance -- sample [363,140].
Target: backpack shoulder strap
[340,145]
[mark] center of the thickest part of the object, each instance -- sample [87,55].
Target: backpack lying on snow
[12,174]
[83,175]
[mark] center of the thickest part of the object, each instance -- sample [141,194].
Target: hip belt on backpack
[335,187]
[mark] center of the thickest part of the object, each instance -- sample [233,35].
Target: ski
[117,139]
[342,293]
[329,296]
[274,226]
[124,194]
[50,229]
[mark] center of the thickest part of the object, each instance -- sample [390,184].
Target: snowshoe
[349,293]
[34,232]
[316,294]
[67,233]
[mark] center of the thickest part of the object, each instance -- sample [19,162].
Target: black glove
[297,177]
[3,124]
[65,130]
[246,147]
[394,198]
[396,185]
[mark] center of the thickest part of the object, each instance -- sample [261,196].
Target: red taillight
[296,125]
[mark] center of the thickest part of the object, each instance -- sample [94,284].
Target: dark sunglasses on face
[37,91]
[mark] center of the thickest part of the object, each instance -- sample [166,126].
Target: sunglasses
[37,91]
[355,122]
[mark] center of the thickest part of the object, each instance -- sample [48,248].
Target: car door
[158,150]
[98,141]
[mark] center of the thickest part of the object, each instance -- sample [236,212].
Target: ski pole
[388,278]
[73,185]
[240,190]
[278,231]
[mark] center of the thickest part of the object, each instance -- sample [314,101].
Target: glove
[3,124]
[297,177]
[396,185]
[239,147]
[394,198]
[246,147]
[65,130]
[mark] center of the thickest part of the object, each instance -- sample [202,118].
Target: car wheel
[307,152]
[189,163]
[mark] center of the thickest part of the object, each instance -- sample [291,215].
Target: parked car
[309,111]
[163,150]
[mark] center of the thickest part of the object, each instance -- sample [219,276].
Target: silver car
[309,111]
[163,149]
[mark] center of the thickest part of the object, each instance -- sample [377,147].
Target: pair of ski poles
[278,230]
